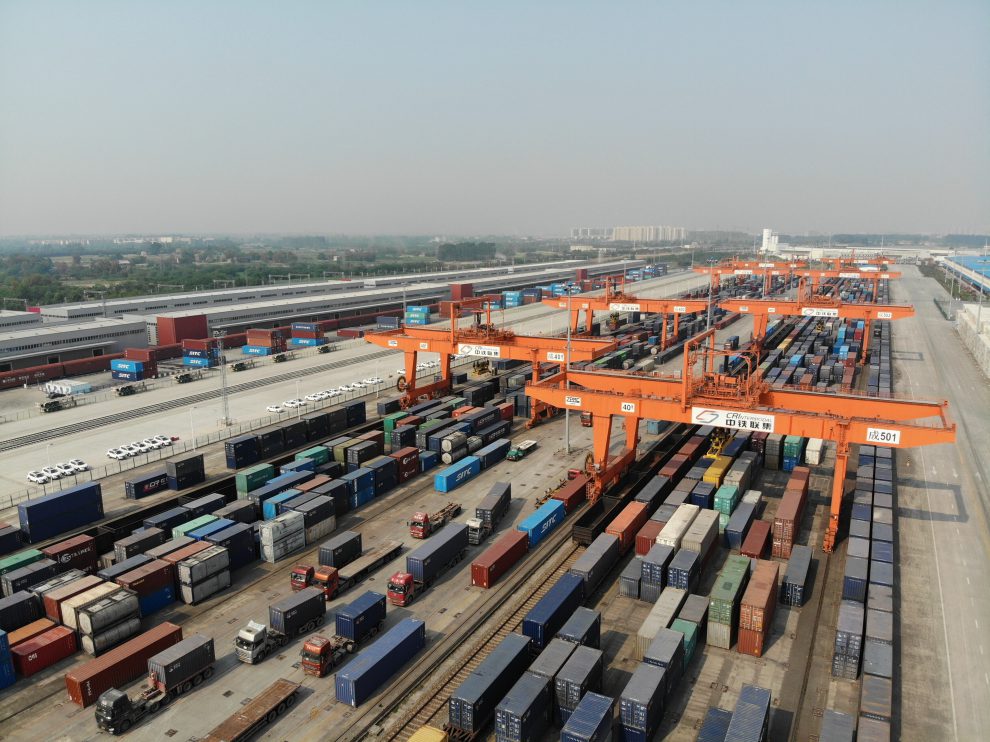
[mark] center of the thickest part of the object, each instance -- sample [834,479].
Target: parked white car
[64,469]
[79,465]
[165,440]
[131,449]
[118,453]
[316,397]
[141,446]
[51,472]
[38,477]
[152,443]
[275,408]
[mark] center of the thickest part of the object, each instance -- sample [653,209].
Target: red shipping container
[460,291]
[120,665]
[78,552]
[787,522]
[461,411]
[53,599]
[693,448]
[378,436]
[507,410]
[408,462]
[413,420]
[187,551]
[198,343]
[307,334]
[30,631]
[176,329]
[350,333]
[581,274]
[149,578]
[755,544]
[647,537]
[313,483]
[43,651]
[496,560]
[750,642]
[625,526]
[759,602]
[573,493]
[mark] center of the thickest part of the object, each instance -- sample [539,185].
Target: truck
[587,420]
[259,711]
[521,450]
[423,524]
[427,563]
[489,512]
[333,581]
[172,672]
[297,614]
[362,619]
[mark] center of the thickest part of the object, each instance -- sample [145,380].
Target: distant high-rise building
[651,233]
[591,233]
[769,241]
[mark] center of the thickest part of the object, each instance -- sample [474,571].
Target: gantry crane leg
[838,490]
[608,472]
[412,391]
[865,353]
[663,332]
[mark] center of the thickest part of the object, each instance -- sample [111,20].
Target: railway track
[97,422]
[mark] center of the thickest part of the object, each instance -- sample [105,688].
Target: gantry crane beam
[621,302]
[745,403]
[488,343]
[766,268]
[864,273]
[812,306]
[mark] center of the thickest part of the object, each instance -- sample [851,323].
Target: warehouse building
[18,320]
[42,345]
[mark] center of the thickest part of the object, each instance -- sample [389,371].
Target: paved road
[944,529]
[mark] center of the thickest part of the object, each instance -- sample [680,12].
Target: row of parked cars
[136,448]
[291,404]
[57,471]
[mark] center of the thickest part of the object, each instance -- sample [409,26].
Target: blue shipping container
[546,518]
[591,721]
[156,601]
[428,460]
[546,618]
[751,715]
[7,676]
[361,497]
[256,350]
[168,519]
[715,725]
[205,505]
[641,703]
[238,540]
[297,465]
[493,452]
[210,528]
[122,364]
[270,508]
[449,479]
[360,679]
[356,620]
[62,511]
[198,362]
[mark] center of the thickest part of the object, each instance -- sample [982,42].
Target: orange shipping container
[787,521]
[461,411]
[187,551]
[626,524]
[313,483]
[760,599]
[30,631]
[755,544]
[750,642]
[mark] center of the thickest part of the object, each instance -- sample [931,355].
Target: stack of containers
[848,647]
[524,713]
[773,451]
[48,516]
[582,673]
[238,540]
[641,704]
[793,452]
[673,533]
[204,353]
[153,583]
[122,369]
[106,622]
[660,617]
[629,580]
[684,570]
[204,574]
[787,521]
[43,651]
[757,608]
[264,342]
[512,299]
[417,315]
[701,536]
[653,575]
[307,334]
[185,471]
[473,703]
[282,536]
[742,516]
[726,498]
[742,470]
[667,651]
[319,520]
[723,608]
[792,587]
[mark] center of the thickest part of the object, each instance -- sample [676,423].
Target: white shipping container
[192,594]
[273,552]
[662,614]
[278,528]
[320,530]
[719,635]
[108,610]
[702,533]
[208,562]
[67,387]
[71,606]
[113,636]
[678,524]
[814,451]
[755,497]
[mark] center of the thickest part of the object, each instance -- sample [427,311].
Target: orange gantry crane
[614,299]
[812,304]
[703,396]
[769,269]
[482,340]
[863,273]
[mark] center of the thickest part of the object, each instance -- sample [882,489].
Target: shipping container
[341,550]
[597,560]
[836,726]
[544,520]
[543,621]
[193,594]
[360,679]
[53,600]
[751,716]
[138,543]
[110,609]
[181,662]
[641,704]
[582,673]
[715,725]
[498,558]
[168,519]
[629,579]
[523,715]
[473,702]
[43,651]
[660,617]
[591,721]
[50,515]
[583,627]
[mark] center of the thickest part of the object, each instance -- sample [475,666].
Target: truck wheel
[381,625]
[187,686]
[271,716]
[290,700]
[319,621]
[124,726]
[281,708]
[197,680]
[153,706]
[261,656]
[349,647]
[207,673]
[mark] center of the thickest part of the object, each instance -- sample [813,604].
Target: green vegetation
[956,289]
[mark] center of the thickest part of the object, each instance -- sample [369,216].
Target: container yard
[784,544]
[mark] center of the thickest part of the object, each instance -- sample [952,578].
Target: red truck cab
[401,589]
[324,578]
[419,526]
[317,656]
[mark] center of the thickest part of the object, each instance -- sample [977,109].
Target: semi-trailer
[297,614]
[362,619]
[427,563]
[263,709]
[335,580]
[424,524]
[489,512]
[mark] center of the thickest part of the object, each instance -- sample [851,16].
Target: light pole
[48,454]
[218,335]
[567,368]
[192,427]
[711,279]
[298,398]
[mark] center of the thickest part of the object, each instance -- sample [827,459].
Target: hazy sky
[509,117]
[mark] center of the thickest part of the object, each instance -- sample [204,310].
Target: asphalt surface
[944,532]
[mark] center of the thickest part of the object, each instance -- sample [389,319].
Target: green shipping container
[18,560]
[319,454]
[793,446]
[430,425]
[192,525]
[388,422]
[690,631]
[723,606]
[253,477]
